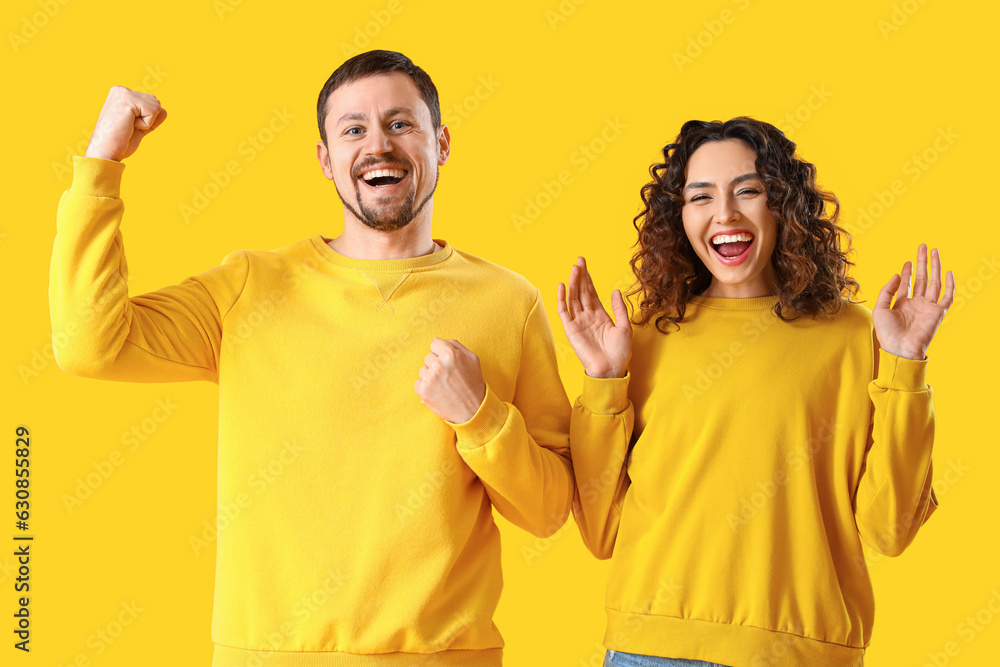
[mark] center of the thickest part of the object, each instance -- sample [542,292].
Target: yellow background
[864,88]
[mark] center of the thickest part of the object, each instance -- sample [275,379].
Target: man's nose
[377,142]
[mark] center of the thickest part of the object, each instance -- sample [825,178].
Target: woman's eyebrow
[745,177]
[706,184]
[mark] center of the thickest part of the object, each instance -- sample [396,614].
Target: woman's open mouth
[732,249]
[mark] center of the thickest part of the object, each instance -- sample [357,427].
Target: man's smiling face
[382,151]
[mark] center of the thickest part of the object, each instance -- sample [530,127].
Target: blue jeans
[619,659]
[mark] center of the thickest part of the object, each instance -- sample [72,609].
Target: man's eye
[353,130]
[398,125]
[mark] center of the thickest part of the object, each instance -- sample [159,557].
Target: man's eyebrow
[706,184]
[396,111]
[356,115]
[360,115]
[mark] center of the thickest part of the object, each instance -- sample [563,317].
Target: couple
[729,453]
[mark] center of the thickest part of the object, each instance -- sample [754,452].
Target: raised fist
[126,118]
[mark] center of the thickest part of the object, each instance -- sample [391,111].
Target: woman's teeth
[732,245]
[731,238]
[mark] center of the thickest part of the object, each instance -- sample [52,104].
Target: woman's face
[727,221]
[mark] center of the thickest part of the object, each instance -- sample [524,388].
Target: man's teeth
[393,173]
[731,238]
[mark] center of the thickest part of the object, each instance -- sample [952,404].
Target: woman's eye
[699,197]
[749,191]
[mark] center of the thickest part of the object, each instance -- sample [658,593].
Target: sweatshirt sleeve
[894,495]
[520,450]
[170,335]
[601,429]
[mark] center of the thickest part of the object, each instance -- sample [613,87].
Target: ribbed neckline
[751,303]
[319,242]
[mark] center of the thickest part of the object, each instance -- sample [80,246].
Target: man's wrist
[471,409]
[484,425]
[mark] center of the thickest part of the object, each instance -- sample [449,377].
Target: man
[358,351]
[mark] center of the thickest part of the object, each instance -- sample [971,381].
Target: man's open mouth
[380,178]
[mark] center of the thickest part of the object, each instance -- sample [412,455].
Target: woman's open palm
[603,346]
[907,327]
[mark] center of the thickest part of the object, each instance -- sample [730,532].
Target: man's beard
[387,221]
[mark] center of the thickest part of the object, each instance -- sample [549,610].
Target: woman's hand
[906,329]
[604,347]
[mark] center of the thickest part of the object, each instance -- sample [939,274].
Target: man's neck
[414,240]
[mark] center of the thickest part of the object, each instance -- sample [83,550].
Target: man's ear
[444,144]
[323,155]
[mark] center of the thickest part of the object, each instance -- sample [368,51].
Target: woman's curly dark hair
[810,267]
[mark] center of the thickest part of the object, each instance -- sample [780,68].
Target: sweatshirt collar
[319,243]
[751,303]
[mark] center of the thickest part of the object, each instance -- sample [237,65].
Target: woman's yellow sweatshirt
[732,475]
[376,544]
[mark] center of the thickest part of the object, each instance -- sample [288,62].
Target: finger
[561,303]
[904,282]
[145,112]
[418,389]
[588,295]
[423,371]
[621,312]
[457,346]
[160,117]
[920,275]
[431,360]
[573,287]
[888,291]
[595,300]
[949,290]
[442,348]
[933,291]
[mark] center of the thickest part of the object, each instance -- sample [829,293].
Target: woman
[733,452]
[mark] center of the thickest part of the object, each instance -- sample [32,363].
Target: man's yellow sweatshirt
[732,475]
[384,511]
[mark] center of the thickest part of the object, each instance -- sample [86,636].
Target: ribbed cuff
[900,373]
[605,396]
[484,425]
[96,177]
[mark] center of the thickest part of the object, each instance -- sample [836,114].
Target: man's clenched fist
[126,118]
[451,382]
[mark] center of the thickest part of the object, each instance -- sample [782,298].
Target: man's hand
[907,327]
[126,118]
[451,382]
[603,346]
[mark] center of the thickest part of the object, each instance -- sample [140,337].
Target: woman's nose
[727,211]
